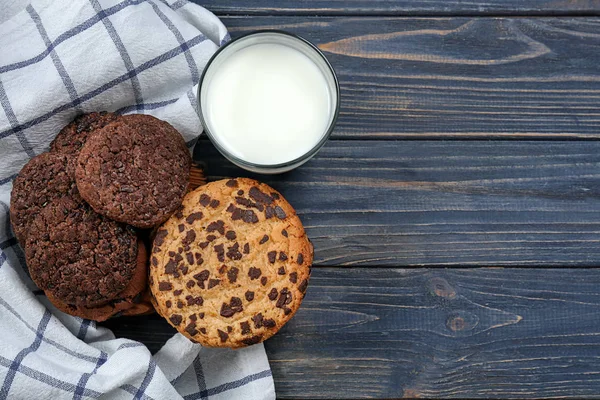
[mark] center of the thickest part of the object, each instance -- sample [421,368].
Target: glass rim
[308,155]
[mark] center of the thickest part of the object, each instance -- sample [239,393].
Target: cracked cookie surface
[134,170]
[78,256]
[72,137]
[44,178]
[231,266]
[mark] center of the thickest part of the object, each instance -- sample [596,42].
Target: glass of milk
[269,101]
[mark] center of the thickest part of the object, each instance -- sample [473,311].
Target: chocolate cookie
[133,300]
[231,266]
[71,138]
[134,170]
[78,256]
[43,179]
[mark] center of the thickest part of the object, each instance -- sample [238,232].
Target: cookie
[78,256]
[43,179]
[231,266]
[71,138]
[133,300]
[134,170]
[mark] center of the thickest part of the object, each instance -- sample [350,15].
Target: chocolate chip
[203,330]
[282,256]
[156,249]
[293,277]
[232,274]
[245,328]
[177,292]
[249,203]
[216,226]
[204,199]
[190,236]
[303,285]
[249,216]
[263,280]
[300,259]
[160,237]
[179,213]
[281,271]
[275,195]
[203,245]
[269,212]
[202,276]
[236,215]
[179,304]
[222,269]
[172,254]
[249,295]
[186,248]
[201,315]
[154,261]
[213,282]
[264,239]
[220,252]
[176,319]
[193,317]
[258,320]
[234,306]
[254,273]
[240,192]
[230,235]
[191,329]
[259,196]
[191,300]
[181,227]
[233,252]
[223,335]
[273,294]
[232,183]
[211,238]
[190,284]
[285,297]
[269,323]
[184,269]
[252,340]
[165,286]
[280,213]
[199,260]
[284,233]
[272,255]
[190,258]
[168,303]
[229,329]
[194,217]
[247,248]
[215,203]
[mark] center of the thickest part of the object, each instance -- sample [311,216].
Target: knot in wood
[442,288]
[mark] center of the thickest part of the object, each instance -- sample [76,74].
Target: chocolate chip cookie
[131,301]
[231,266]
[71,138]
[134,170]
[43,179]
[78,256]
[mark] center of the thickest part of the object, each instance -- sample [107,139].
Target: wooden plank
[457,77]
[404,7]
[374,203]
[435,333]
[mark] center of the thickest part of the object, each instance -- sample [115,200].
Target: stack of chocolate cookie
[82,210]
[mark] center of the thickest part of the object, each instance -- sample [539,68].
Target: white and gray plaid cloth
[59,58]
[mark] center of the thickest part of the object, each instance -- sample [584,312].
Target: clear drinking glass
[275,37]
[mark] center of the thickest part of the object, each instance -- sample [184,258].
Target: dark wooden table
[456,211]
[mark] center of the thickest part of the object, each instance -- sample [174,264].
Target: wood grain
[451,333]
[457,77]
[401,7]
[375,203]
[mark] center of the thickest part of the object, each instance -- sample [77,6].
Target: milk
[268,104]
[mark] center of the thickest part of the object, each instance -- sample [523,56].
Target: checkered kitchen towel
[59,58]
